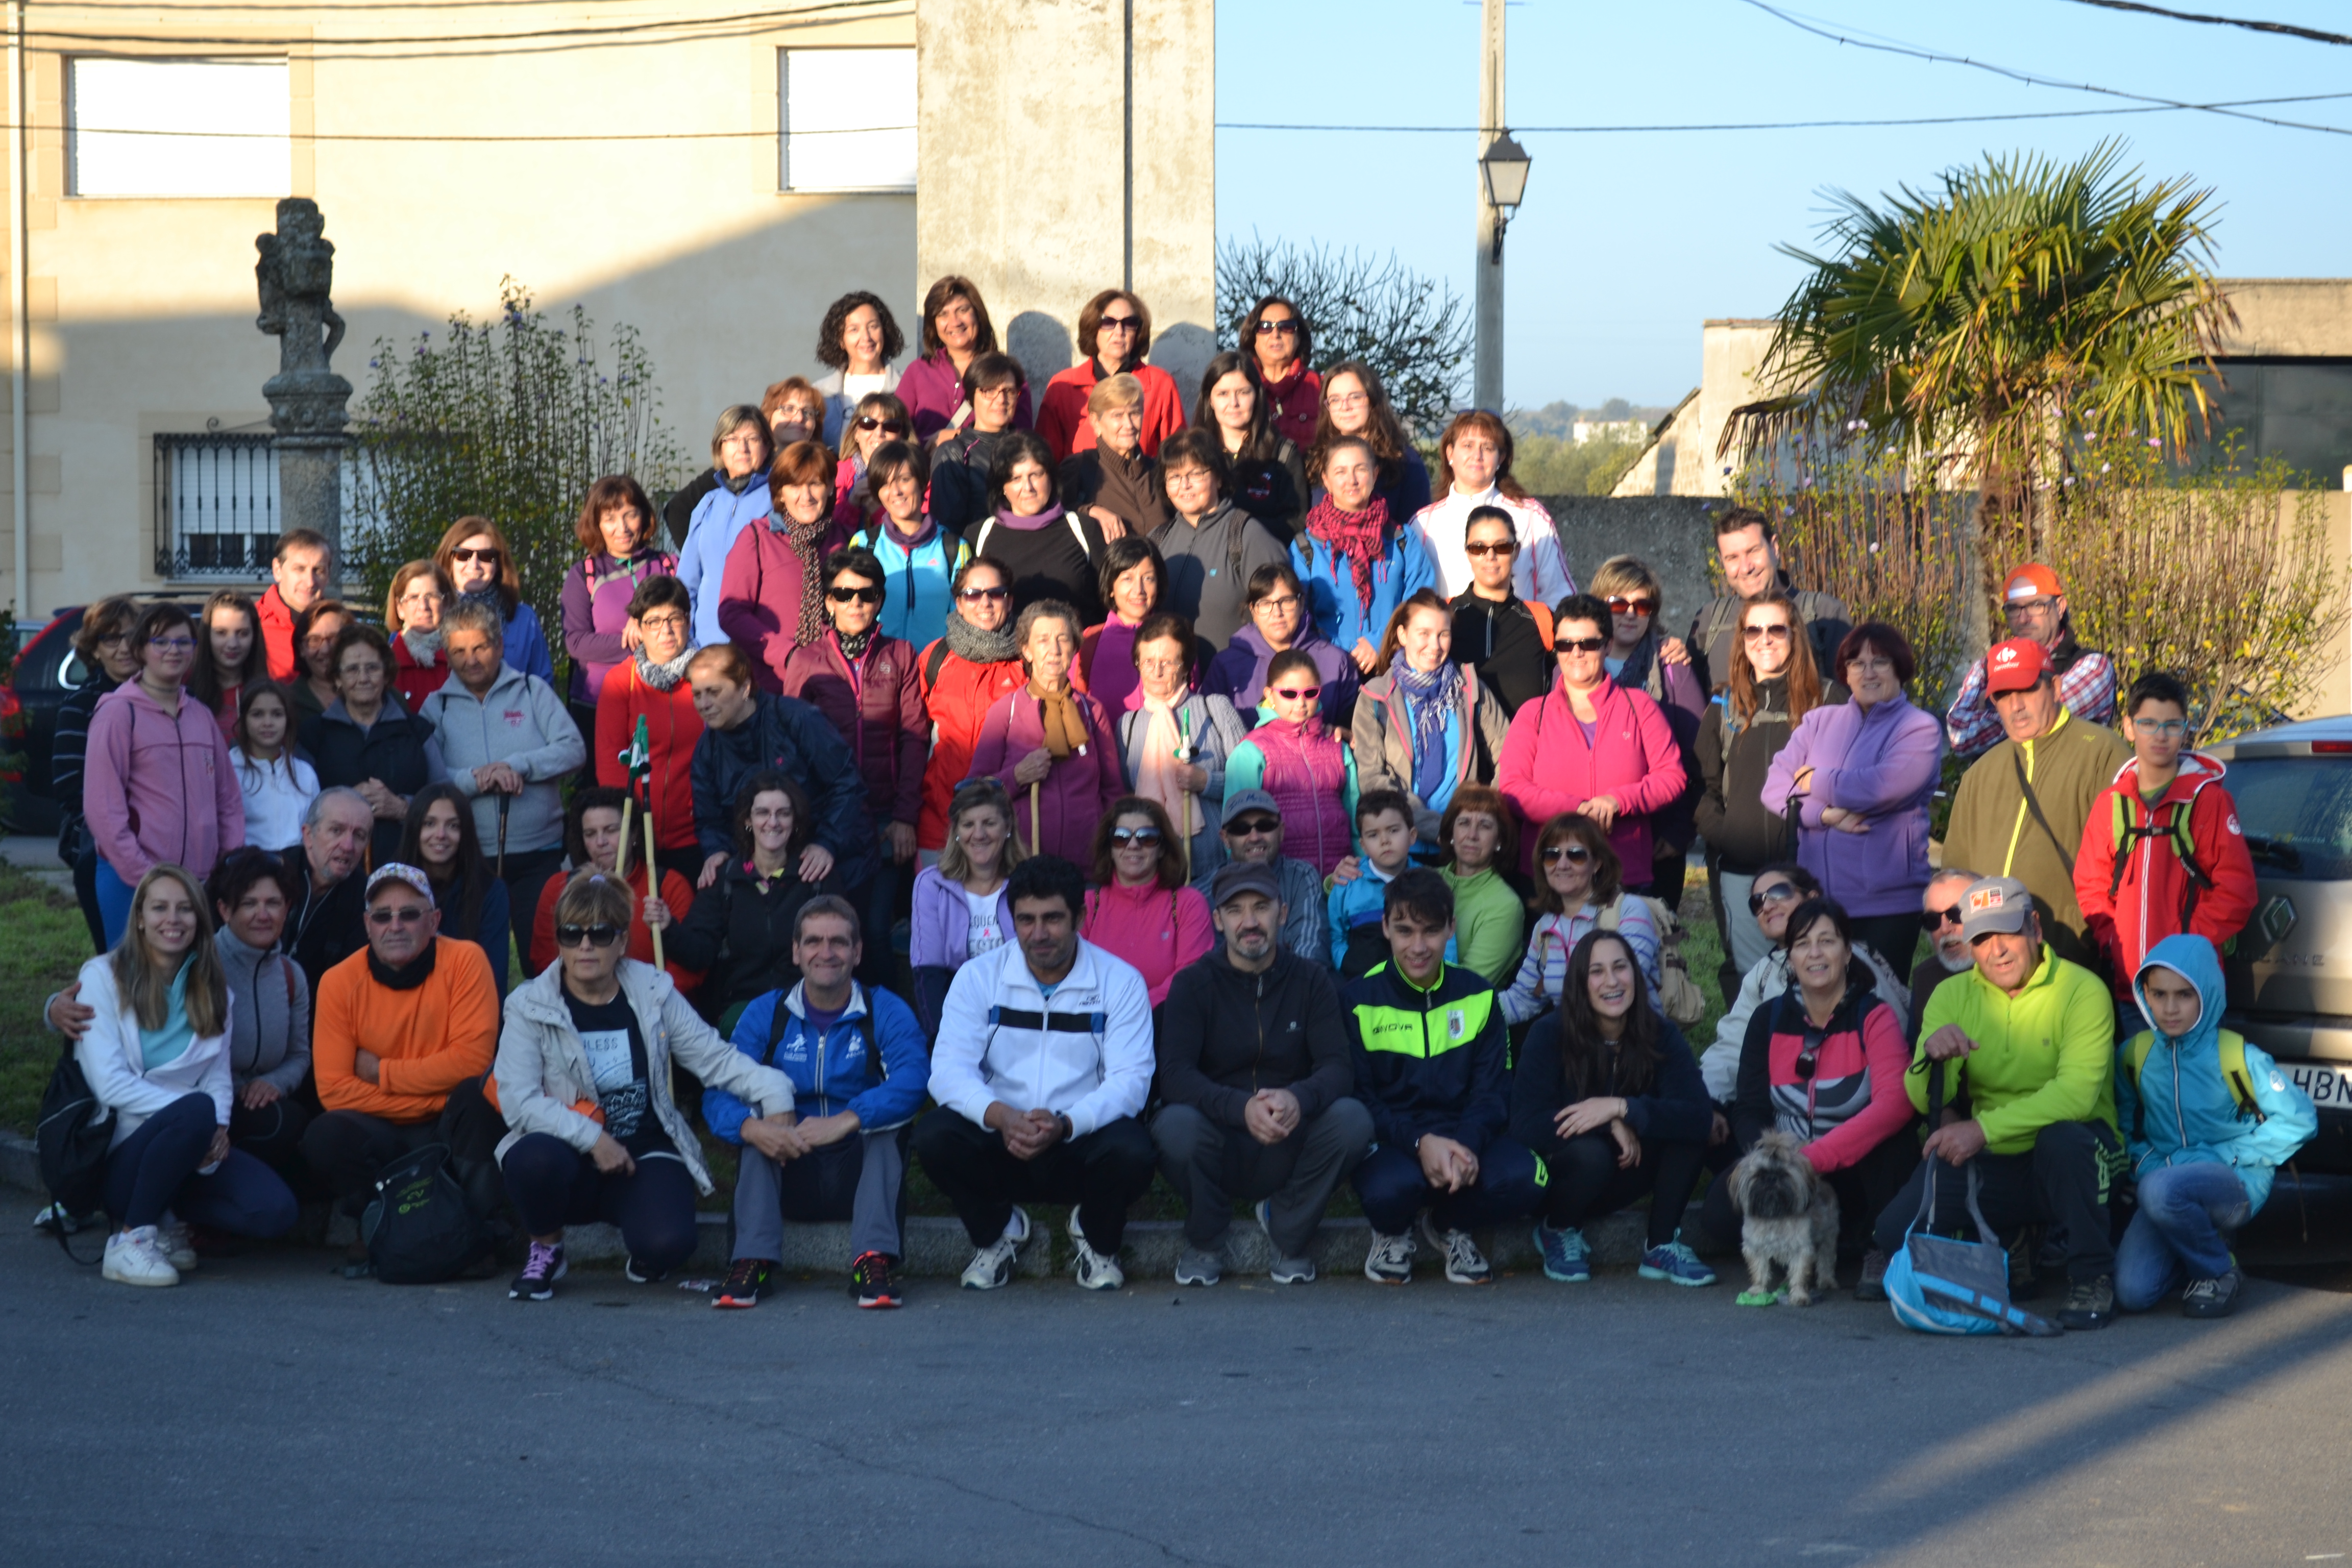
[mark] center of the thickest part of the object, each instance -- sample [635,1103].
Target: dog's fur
[1789,1215]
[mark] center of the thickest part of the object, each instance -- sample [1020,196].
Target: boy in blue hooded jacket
[2208,1118]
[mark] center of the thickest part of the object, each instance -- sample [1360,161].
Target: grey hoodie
[520,722]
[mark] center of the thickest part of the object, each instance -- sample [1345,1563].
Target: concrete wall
[1026,145]
[2301,317]
[1674,534]
[143,310]
[1683,460]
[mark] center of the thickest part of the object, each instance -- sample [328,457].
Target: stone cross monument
[306,397]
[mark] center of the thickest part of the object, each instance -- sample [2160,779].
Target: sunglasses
[1122,323]
[887,427]
[1777,632]
[1809,1057]
[1146,837]
[1778,893]
[1935,920]
[1621,605]
[1579,645]
[866,595]
[1252,826]
[407,915]
[973,595]
[488,557]
[1287,328]
[1298,693]
[599,935]
[1497,547]
[1574,854]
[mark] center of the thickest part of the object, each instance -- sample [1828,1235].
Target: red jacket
[1548,768]
[278,634]
[415,681]
[1294,402]
[675,891]
[959,702]
[878,707]
[672,727]
[2130,907]
[1062,421]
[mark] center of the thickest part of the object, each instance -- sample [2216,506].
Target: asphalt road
[269,1413]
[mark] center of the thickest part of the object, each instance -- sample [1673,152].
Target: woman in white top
[1474,469]
[856,342]
[277,783]
[156,1055]
[960,909]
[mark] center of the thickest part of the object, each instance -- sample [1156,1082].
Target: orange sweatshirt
[429,1039]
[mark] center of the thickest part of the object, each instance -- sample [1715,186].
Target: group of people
[1259,809]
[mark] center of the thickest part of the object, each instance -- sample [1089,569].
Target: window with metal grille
[216,505]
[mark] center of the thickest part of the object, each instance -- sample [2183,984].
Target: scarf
[417,970]
[662,676]
[1428,701]
[853,649]
[803,536]
[737,485]
[425,648]
[1156,776]
[972,645]
[1640,671]
[886,530]
[1063,728]
[1360,536]
[1047,519]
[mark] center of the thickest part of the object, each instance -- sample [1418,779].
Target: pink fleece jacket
[1157,931]
[1549,767]
[160,787]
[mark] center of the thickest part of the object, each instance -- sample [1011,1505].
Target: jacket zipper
[1258,1065]
[2179,1122]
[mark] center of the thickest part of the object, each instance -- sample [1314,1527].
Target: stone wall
[1675,534]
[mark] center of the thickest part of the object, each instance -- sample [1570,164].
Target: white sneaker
[1389,1261]
[991,1266]
[1094,1271]
[133,1258]
[1465,1264]
[172,1240]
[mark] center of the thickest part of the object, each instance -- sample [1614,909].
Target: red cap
[2017,665]
[2032,580]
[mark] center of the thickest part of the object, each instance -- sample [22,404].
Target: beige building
[712,181]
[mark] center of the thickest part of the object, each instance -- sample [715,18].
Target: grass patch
[46,942]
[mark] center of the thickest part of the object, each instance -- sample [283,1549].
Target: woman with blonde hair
[1640,657]
[960,910]
[481,565]
[414,608]
[740,452]
[156,1055]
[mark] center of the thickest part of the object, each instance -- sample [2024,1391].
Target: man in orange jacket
[2162,853]
[402,1033]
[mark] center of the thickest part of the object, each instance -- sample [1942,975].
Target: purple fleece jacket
[1882,765]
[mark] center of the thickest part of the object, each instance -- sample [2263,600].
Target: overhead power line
[1786,124]
[612,30]
[2028,78]
[2286,30]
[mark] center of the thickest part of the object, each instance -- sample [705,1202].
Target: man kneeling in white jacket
[1043,1060]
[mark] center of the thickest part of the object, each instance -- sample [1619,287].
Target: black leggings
[1587,1183]
[552,1185]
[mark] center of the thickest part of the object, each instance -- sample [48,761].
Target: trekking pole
[1033,817]
[621,856]
[653,872]
[506,803]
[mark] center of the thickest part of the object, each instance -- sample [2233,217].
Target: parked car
[47,672]
[2290,971]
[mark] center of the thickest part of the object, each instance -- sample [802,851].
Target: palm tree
[1994,322]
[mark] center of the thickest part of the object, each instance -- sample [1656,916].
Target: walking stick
[1033,817]
[653,870]
[506,803]
[621,860]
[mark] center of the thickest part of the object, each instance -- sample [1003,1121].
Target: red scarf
[1360,536]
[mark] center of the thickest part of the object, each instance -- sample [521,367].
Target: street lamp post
[1502,181]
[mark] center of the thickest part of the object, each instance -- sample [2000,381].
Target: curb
[20,1164]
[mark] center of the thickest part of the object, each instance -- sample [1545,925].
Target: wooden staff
[1032,848]
[653,869]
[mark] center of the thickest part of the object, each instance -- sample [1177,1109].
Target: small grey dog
[1789,1215]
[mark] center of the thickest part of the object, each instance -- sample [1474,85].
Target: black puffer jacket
[1224,1035]
[740,934]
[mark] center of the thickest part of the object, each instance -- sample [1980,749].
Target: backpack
[781,1020]
[2232,1050]
[2178,833]
[74,1136]
[419,1227]
[1679,997]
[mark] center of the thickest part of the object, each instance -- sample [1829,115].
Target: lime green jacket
[1489,922]
[2043,1055]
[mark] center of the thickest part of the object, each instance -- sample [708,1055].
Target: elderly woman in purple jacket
[1861,775]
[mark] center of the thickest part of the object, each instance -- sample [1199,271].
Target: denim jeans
[2180,1232]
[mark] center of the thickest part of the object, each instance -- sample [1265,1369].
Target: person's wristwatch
[1068,1132]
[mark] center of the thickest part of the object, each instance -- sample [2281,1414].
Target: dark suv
[46,672]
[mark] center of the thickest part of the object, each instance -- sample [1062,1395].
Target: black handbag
[419,1228]
[75,1133]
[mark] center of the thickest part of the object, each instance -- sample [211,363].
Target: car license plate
[2330,1087]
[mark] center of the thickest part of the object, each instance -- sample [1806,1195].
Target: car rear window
[2297,815]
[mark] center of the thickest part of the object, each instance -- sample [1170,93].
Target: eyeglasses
[599,935]
[487,557]
[868,594]
[1007,392]
[1579,645]
[1144,837]
[1298,693]
[1778,893]
[1621,605]
[2029,606]
[1277,602]
[172,644]
[887,427]
[407,915]
[1495,547]
[973,595]
[1777,632]
[1347,399]
[662,623]
[1287,328]
[1574,854]
[1252,826]
[114,638]
[2161,728]
[1121,323]
[1937,920]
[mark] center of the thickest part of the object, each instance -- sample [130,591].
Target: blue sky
[1627,242]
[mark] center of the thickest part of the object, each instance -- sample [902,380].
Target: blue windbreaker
[842,1077]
